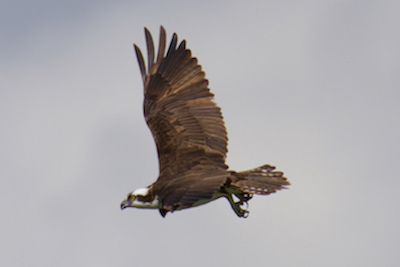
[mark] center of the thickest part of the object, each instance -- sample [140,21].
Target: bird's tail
[262,180]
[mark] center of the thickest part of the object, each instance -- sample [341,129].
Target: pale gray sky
[312,87]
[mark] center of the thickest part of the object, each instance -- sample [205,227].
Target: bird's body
[191,138]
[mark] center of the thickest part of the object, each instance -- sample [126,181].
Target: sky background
[311,87]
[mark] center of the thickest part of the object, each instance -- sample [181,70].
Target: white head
[140,198]
[141,192]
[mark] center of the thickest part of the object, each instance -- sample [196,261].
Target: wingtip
[172,46]
[162,29]
[161,45]
[182,45]
[142,65]
[150,49]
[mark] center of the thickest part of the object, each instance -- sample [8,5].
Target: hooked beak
[125,204]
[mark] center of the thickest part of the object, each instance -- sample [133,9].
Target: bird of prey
[191,138]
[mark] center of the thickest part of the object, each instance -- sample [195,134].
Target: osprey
[191,138]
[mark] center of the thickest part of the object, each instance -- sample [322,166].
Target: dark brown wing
[187,125]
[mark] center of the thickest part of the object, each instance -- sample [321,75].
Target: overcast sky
[311,87]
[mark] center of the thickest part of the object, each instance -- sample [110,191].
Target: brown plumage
[190,135]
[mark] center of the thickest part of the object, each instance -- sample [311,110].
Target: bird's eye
[131,197]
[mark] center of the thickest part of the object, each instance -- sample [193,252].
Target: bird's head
[140,198]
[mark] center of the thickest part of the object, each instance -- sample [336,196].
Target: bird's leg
[244,197]
[236,205]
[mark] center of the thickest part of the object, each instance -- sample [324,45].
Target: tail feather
[262,180]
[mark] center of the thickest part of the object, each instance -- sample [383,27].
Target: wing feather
[141,63]
[150,49]
[161,45]
[172,46]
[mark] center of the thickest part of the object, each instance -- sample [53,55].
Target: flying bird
[191,138]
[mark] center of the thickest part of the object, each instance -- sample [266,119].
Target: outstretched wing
[186,124]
